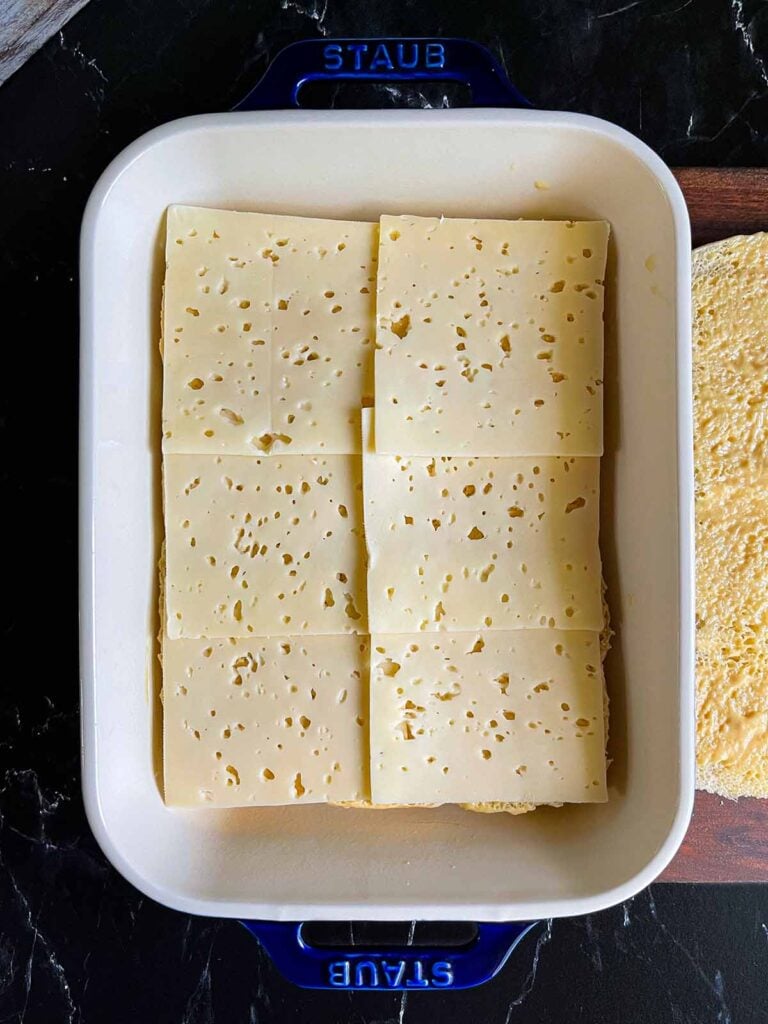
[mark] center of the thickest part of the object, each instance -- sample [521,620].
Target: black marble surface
[77,943]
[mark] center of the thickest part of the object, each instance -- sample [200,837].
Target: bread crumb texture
[730,354]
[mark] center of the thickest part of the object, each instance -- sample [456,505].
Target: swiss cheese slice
[264,546]
[268,332]
[216,331]
[490,337]
[323,332]
[485,717]
[265,721]
[460,543]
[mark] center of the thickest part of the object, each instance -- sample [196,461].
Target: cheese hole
[576,503]
[231,417]
[401,327]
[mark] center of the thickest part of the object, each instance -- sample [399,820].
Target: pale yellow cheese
[323,332]
[490,337]
[216,331]
[269,327]
[486,717]
[481,543]
[264,546]
[265,721]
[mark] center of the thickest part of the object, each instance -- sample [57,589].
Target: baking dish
[324,863]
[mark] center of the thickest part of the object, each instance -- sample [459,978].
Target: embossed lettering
[332,57]
[338,973]
[434,55]
[418,980]
[358,49]
[381,58]
[410,62]
[393,972]
[442,974]
[360,968]
[386,56]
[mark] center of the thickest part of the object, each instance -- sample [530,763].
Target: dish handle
[383,60]
[401,968]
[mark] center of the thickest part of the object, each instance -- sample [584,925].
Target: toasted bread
[730,355]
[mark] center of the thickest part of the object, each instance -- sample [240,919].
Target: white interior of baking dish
[321,862]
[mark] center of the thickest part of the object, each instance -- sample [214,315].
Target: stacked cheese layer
[477,493]
[268,353]
[481,491]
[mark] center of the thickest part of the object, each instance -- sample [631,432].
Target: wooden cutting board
[26,24]
[728,839]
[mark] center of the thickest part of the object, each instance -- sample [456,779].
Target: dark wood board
[724,201]
[728,839]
